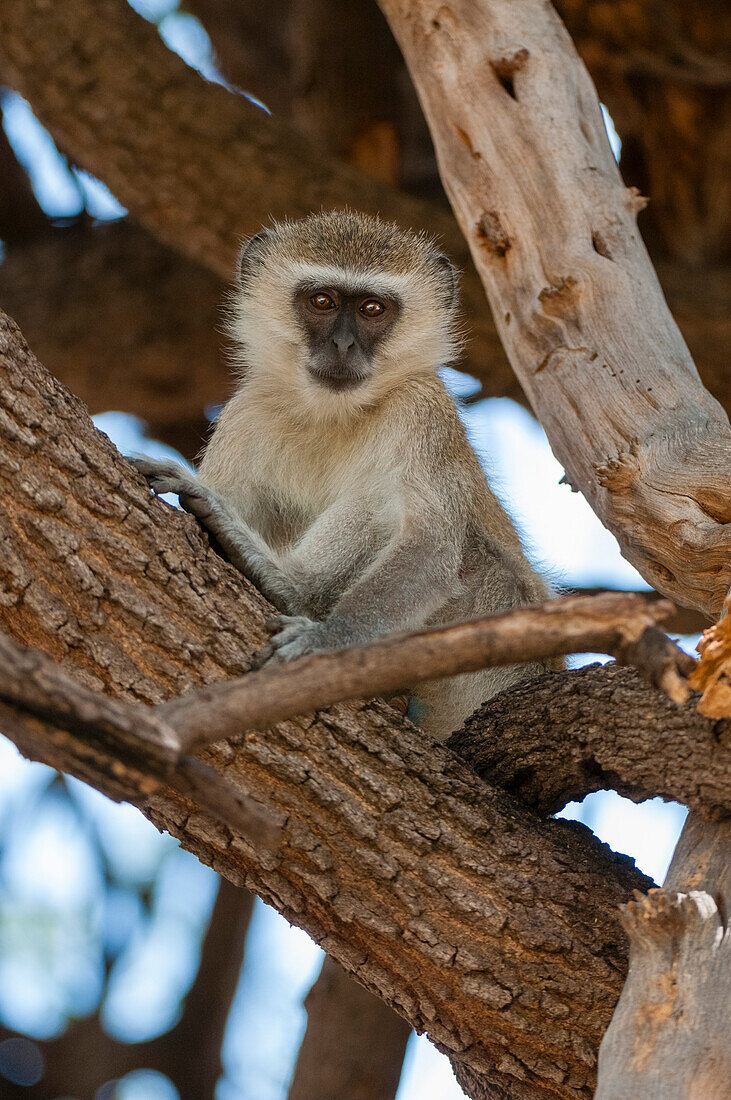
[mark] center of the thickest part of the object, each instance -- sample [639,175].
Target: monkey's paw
[163,475]
[295,636]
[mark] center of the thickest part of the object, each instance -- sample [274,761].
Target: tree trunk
[669,1034]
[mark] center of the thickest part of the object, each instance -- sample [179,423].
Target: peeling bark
[490,929]
[557,738]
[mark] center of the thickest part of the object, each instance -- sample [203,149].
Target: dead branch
[612,623]
[555,739]
[669,1034]
[576,302]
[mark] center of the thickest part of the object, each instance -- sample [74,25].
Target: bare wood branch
[684,620]
[612,623]
[489,928]
[576,302]
[669,1034]
[354,1044]
[556,739]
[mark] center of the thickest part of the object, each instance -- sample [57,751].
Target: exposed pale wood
[669,1034]
[556,739]
[531,177]
[611,623]
[354,1044]
[712,675]
[685,620]
[494,931]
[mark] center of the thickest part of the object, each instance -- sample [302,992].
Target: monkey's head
[341,307]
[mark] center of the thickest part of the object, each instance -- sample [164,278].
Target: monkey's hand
[163,475]
[297,636]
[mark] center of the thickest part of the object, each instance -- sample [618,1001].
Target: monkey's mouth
[337,380]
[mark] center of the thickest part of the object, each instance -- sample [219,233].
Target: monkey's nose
[343,343]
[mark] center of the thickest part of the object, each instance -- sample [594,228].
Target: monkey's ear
[449,278]
[251,254]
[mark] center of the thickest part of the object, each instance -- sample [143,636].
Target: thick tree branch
[125,322]
[491,929]
[556,739]
[354,1044]
[613,623]
[533,182]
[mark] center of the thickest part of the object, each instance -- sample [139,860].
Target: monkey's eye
[372,308]
[322,301]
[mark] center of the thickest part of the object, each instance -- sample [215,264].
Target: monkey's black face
[343,331]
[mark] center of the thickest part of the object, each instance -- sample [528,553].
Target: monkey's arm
[416,573]
[243,547]
[308,579]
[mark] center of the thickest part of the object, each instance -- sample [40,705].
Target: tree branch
[577,304]
[553,740]
[439,893]
[125,322]
[669,1035]
[612,623]
[354,1044]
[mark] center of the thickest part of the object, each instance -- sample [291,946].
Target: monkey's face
[343,331]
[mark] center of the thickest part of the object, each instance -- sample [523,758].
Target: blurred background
[109,932]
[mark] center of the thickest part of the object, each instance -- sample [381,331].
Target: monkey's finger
[266,655]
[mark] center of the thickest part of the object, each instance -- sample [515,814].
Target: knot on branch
[558,296]
[619,474]
[492,234]
[635,200]
[507,66]
[661,662]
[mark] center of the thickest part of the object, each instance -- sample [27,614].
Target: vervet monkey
[339,478]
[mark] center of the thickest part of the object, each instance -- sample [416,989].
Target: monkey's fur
[339,477]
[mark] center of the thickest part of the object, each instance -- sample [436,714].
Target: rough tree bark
[556,739]
[533,182]
[491,929]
